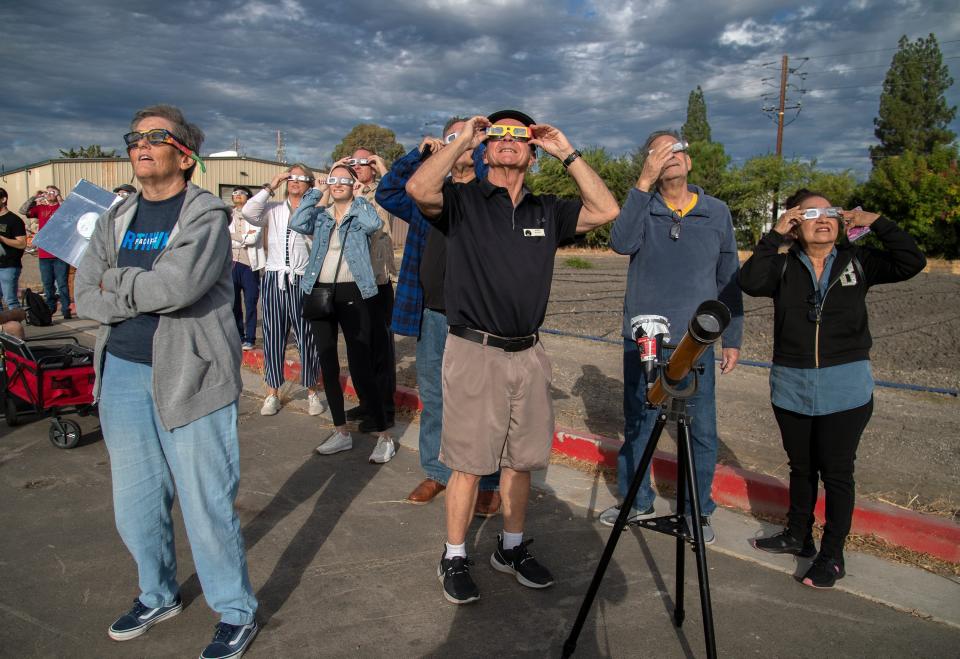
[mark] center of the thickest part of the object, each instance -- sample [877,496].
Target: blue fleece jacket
[670,278]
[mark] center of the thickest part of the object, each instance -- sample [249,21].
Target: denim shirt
[820,391]
[311,220]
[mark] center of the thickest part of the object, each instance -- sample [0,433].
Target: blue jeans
[53,274]
[433,338]
[639,421]
[200,463]
[246,287]
[9,283]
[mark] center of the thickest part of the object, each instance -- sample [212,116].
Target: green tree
[710,162]
[381,140]
[696,129]
[92,151]
[914,114]
[922,194]
[619,174]
[746,190]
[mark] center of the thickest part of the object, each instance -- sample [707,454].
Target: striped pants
[281,311]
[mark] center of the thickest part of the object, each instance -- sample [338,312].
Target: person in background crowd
[13,240]
[501,244]
[821,385]
[340,259]
[248,260]
[287,255]
[420,309]
[53,271]
[682,251]
[368,166]
[156,276]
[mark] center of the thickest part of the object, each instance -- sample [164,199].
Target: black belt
[507,344]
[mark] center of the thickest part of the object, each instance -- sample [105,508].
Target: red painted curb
[732,486]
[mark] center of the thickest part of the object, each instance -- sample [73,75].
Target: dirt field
[908,455]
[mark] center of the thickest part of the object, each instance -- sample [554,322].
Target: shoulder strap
[342,246]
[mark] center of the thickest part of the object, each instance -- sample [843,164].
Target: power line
[862,52]
[873,66]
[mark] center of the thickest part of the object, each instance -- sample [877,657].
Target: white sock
[512,540]
[455,550]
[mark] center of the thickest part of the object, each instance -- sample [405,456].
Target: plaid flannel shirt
[392,197]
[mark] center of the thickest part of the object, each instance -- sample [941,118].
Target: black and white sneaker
[230,641]
[521,564]
[454,574]
[140,618]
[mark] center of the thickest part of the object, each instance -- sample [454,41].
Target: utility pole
[281,151]
[781,110]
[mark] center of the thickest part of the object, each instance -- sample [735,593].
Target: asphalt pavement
[343,566]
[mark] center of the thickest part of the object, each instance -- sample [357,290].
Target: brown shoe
[488,503]
[425,492]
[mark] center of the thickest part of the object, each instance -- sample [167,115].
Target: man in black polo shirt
[501,241]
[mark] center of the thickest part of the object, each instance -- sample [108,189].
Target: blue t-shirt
[146,237]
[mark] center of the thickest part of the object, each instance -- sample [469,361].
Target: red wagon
[45,376]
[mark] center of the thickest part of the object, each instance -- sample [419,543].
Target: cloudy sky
[606,72]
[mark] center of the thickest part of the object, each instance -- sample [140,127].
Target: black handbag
[318,303]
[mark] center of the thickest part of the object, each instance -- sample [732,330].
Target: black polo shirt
[500,258]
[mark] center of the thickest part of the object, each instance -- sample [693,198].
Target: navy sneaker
[140,618]
[230,641]
[458,585]
[521,564]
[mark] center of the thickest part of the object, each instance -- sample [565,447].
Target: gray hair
[186,133]
[657,134]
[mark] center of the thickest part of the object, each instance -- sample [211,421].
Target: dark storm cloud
[606,72]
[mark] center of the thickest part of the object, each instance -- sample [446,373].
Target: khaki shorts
[497,410]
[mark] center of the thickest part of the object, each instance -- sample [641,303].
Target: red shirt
[43,213]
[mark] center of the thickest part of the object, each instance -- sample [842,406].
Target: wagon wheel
[10,411]
[66,434]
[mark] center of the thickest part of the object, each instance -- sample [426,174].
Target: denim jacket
[317,222]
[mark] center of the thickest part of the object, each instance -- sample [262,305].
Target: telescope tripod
[675,525]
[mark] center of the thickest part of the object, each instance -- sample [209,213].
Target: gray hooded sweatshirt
[196,349]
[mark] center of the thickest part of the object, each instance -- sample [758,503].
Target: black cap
[126,187]
[525,119]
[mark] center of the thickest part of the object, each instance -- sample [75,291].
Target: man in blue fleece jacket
[682,251]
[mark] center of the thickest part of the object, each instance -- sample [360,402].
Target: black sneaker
[454,574]
[784,543]
[824,572]
[521,564]
[140,618]
[230,641]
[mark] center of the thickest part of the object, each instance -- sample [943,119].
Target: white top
[281,243]
[329,266]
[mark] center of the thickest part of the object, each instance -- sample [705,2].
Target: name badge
[535,233]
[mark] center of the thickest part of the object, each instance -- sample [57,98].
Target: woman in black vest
[821,385]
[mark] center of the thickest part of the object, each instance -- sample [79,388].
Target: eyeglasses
[353,162]
[814,213]
[300,177]
[158,136]
[520,133]
[341,180]
[239,193]
[451,138]
[814,300]
[675,230]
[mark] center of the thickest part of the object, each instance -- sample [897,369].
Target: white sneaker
[383,451]
[338,441]
[270,406]
[316,406]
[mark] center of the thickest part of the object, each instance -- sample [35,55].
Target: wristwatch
[569,159]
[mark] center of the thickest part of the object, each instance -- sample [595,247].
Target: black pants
[384,351]
[822,447]
[355,317]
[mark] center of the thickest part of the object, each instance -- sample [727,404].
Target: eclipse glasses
[341,180]
[519,133]
[814,213]
[353,162]
[157,136]
[300,177]
[677,147]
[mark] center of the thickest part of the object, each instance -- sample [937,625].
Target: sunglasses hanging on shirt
[675,229]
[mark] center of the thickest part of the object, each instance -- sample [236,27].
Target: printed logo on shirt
[849,276]
[145,242]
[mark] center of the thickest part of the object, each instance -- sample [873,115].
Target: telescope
[706,326]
